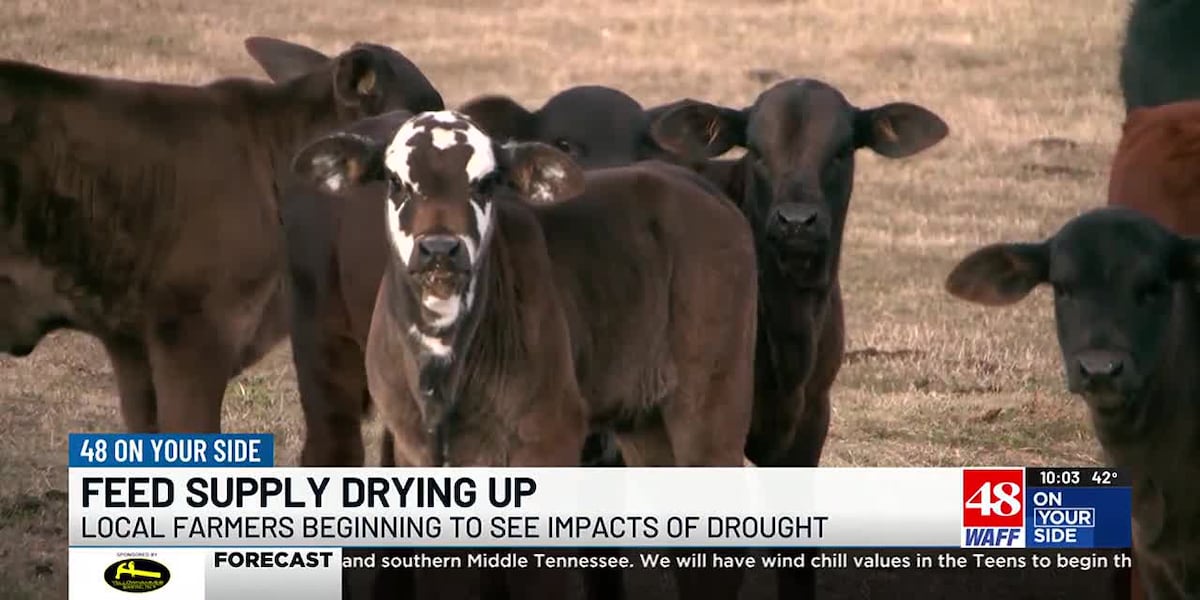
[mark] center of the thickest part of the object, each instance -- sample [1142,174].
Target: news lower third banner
[210,516]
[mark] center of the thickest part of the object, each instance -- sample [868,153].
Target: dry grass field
[1027,86]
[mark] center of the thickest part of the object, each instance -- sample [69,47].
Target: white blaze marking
[443,138]
[399,152]
[483,221]
[436,346]
[402,242]
[446,309]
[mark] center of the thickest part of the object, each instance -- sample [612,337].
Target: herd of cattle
[586,283]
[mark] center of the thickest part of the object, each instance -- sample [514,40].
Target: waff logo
[137,575]
[993,508]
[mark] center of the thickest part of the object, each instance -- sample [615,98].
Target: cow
[1126,309]
[146,214]
[1154,168]
[526,303]
[335,258]
[1160,56]
[597,126]
[794,184]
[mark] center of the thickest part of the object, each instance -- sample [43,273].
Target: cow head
[444,174]
[368,79]
[596,126]
[800,136]
[1119,280]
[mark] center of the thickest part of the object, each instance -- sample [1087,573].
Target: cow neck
[1161,447]
[288,114]
[440,379]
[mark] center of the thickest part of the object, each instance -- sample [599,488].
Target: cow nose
[798,216]
[434,248]
[1099,366]
[794,218]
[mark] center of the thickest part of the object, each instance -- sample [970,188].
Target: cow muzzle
[441,252]
[441,265]
[799,235]
[1105,378]
[802,226]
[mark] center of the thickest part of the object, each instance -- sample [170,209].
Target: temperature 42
[1104,477]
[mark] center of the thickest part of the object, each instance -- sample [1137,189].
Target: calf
[1160,58]
[596,126]
[1154,169]
[1126,307]
[146,214]
[511,321]
[336,252]
[794,185]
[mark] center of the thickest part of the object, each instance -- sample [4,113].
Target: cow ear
[283,60]
[356,78]
[999,274]
[540,173]
[340,160]
[898,129]
[500,117]
[694,130]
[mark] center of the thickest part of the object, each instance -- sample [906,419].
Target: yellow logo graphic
[137,575]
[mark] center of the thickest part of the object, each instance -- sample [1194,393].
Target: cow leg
[652,447]
[135,384]
[602,449]
[334,406]
[191,369]
[804,451]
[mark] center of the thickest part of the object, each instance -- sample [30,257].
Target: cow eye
[565,146]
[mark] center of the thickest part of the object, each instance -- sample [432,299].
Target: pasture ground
[1028,88]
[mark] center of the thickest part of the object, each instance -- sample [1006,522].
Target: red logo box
[993,497]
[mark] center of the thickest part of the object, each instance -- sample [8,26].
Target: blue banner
[172,450]
[1078,517]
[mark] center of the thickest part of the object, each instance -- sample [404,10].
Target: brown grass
[930,381]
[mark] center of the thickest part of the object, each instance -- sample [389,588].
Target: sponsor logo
[137,575]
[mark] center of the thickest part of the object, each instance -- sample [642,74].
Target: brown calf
[509,324]
[146,215]
[794,185]
[1154,169]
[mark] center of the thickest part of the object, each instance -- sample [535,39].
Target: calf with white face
[434,163]
[444,174]
[521,309]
